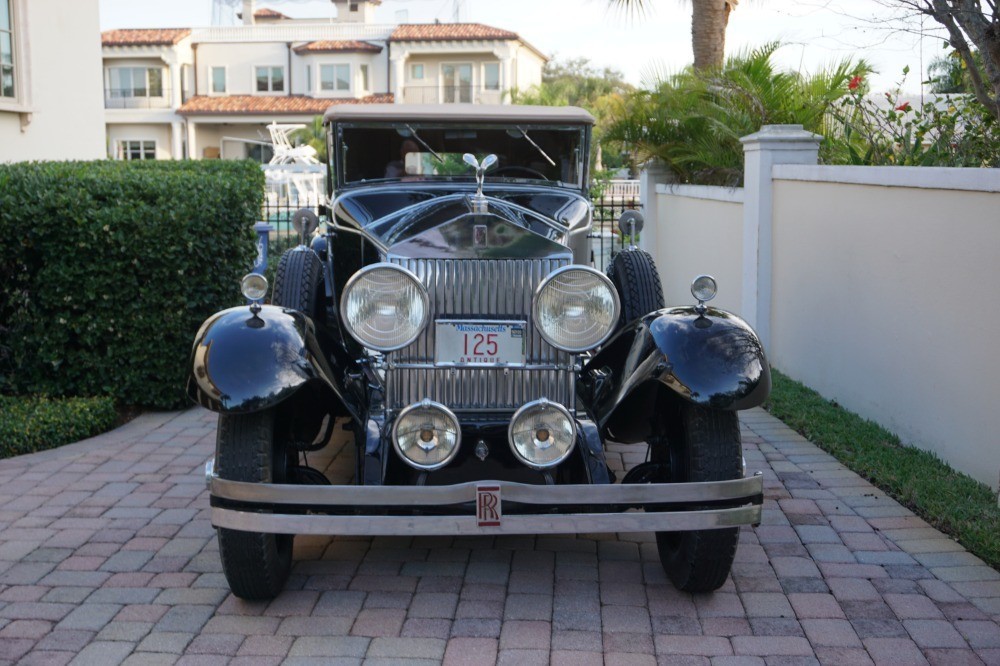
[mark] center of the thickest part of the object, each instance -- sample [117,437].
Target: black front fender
[244,362]
[713,359]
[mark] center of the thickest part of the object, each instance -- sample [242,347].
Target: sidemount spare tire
[634,275]
[298,283]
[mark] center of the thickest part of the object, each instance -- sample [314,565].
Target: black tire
[298,282]
[704,446]
[256,565]
[634,275]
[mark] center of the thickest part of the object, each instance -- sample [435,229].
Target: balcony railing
[293,33]
[118,98]
[450,95]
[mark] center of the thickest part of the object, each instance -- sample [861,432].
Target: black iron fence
[605,239]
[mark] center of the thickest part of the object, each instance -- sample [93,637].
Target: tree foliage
[972,26]
[576,82]
[692,121]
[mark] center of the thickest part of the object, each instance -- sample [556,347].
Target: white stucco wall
[64,92]
[428,89]
[241,59]
[884,299]
[699,230]
[160,133]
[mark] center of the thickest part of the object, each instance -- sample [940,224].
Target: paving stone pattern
[107,556]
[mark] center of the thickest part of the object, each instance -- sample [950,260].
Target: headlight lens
[542,434]
[704,288]
[426,435]
[384,307]
[576,308]
[253,286]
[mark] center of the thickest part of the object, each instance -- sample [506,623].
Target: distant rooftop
[268,13]
[271,104]
[338,46]
[429,32]
[144,36]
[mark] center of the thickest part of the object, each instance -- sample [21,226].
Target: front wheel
[704,446]
[256,565]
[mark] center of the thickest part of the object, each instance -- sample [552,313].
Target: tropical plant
[313,134]
[949,74]
[709,20]
[692,121]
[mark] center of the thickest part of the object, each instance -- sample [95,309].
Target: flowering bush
[947,130]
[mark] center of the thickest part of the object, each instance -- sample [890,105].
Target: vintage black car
[446,313]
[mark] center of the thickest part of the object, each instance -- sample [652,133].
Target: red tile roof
[144,37]
[268,13]
[427,32]
[271,104]
[341,46]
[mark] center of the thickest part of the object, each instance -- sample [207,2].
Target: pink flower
[854,83]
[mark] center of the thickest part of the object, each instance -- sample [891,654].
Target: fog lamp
[254,286]
[704,288]
[542,434]
[426,435]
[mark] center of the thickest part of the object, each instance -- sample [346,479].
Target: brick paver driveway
[107,555]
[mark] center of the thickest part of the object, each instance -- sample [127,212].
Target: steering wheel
[513,167]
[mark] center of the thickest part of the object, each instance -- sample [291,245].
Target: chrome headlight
[426,435]
[542,434]
[576,308]
[253,286]
[384,307]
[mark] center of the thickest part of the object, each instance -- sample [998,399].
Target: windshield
[426,152]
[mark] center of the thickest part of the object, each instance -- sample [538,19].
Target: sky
[814,33]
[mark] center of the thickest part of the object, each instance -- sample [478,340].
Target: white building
[210,92]
[50,102]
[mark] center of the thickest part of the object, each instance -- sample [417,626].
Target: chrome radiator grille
[479,289]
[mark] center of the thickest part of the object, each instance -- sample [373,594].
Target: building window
[135,82]
[334,77]
[309,78]
[354,6]
[416,71]
[137,150]
[8,87]
[270,79]
[364,77]
[219,80]
[491,76]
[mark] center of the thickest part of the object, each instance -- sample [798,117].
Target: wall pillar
[192,145]
[652,174]
[398,76]
[773,144]
[177,140]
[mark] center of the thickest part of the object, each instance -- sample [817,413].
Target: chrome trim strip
[633,521]
[318,496]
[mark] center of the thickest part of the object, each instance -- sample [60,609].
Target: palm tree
[709,19]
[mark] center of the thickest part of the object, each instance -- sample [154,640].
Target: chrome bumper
[374,510]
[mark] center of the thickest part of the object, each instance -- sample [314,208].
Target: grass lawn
[32,423]
[949,500]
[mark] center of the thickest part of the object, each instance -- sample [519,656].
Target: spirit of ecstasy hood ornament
[481,169]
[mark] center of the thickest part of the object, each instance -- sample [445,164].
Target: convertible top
[458,113]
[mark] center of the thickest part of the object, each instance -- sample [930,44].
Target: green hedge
[34,423]
[110,267]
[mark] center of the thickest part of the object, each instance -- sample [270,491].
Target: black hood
[437,222]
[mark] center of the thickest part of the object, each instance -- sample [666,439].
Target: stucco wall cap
[781,134]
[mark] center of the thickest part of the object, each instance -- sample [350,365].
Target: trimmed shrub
[110,268]
[31,424]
